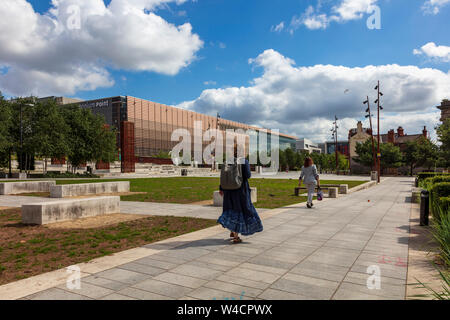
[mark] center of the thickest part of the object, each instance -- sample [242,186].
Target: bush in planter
[438,191]
[429,182]
[424,175]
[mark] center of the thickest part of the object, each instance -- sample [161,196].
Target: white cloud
[431,50]
[210,83]
[313,18]
[303,100]
[45,55]
[434,6]
[278,28]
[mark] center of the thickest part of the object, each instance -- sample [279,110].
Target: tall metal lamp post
[380,94]
[335,138]
[21,133]
[369,115]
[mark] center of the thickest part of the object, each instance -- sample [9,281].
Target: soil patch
[27,250]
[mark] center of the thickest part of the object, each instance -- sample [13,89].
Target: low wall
[74,190]
[25,187]
[63,210]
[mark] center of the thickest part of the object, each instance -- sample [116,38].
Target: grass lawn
[30,250]
[272,193]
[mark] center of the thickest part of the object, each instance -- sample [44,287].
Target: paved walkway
[322,253]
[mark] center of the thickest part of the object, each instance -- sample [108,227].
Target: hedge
[424,175]
[429,182]
[438,191]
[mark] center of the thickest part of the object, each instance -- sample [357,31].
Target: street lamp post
[21,133]
[335,138]
[380,94]
[369,115]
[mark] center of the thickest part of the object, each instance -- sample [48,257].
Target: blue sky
[234,31]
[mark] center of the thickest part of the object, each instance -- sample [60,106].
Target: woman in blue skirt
[239,215]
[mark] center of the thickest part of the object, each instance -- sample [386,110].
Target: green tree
[443,133]
[391,156]
[50,131]
[426,153]
[364,152]
[88,138]
[5,131]
[410,155]
[23,115]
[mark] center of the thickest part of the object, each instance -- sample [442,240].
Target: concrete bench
[342,188]
[218,199]
[25,187]
[63,210]
[333,192]
[73,190]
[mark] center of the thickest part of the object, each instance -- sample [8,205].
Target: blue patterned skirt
[239,215]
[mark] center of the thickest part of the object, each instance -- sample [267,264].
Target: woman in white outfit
[311,179]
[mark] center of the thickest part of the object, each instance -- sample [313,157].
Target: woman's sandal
[237,240]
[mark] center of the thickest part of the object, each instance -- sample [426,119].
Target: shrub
[424,175]
[429,182]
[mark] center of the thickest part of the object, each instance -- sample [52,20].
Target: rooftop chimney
[400,132]
[359,127]
[425,132]
[391,136]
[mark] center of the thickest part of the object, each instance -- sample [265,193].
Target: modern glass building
[154,123]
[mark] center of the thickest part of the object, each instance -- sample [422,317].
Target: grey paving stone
[140,268]
[272,294]
[361,279]
[391,291]
[320,271]
[171,259]
[217,261]
[181,280]
[209,265]
[345,294]
[204,293]
[253,275]
[233,288]
[142,294]
[258,267]
[163,288]
[197,272]
[149,261]
[88,290]
[105,283]
[116,296]
[319,293]
[121,275]
[262,260]
[243,282]
[57,294]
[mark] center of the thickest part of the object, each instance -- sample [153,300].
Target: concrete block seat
[218,199]
[69,209]
[73,190]
[342,188]
[25,187]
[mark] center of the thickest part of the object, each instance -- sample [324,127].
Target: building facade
[329,147]
[445,110]
[398,138]
[307,145]
[153,124]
